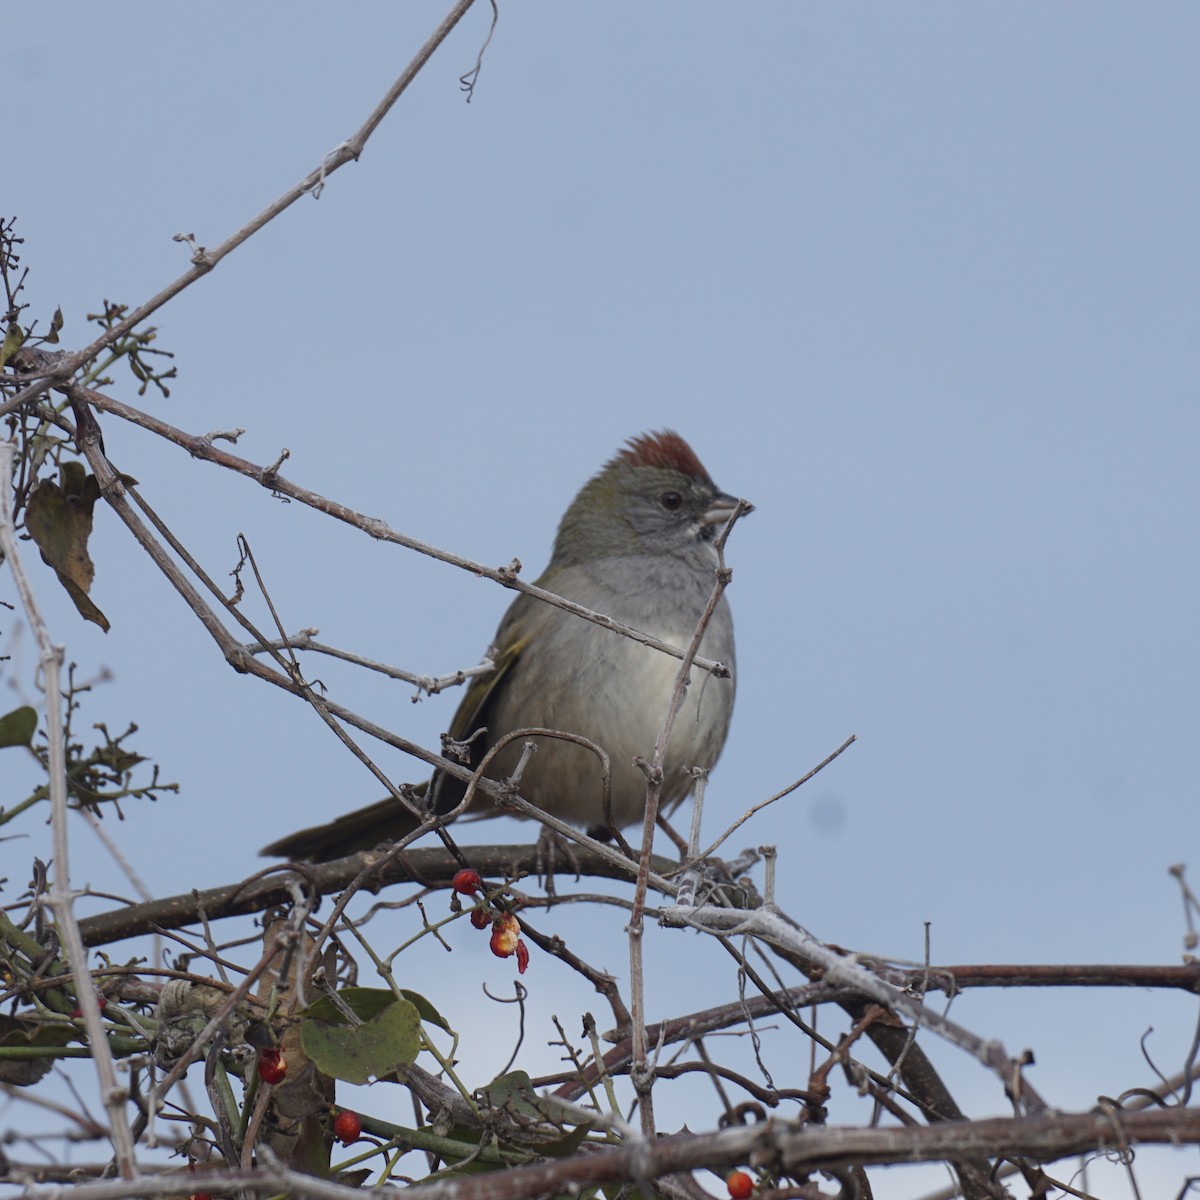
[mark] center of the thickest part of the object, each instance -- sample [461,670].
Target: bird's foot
[551,846]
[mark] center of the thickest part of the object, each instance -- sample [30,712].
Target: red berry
[480,918]
[347,1127]
[272,1066]
[740,1185]
[522,956]
[506,935]
[467,882]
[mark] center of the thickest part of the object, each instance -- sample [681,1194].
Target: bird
[636,544]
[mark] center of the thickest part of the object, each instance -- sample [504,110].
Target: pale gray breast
[587,680]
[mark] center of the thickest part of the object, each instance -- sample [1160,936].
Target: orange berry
[506,935]
[272,1066]
[467,882]
[347,1127]
[740,1185]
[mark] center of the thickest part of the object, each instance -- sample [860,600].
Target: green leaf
[21,1032]
[516,1094]
[366,1003]
[56,323]
[363,1002]
[18,727]
[385,1044]
[566,1146]
[514,1089]
[426,1009]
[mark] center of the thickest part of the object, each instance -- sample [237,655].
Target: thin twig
[431,685]
[787,791]
[841,970]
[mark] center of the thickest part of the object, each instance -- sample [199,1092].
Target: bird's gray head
[654,497]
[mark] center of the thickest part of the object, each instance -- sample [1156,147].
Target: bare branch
[61,898]
[203,260]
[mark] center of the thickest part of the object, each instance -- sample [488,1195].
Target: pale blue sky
[918,280]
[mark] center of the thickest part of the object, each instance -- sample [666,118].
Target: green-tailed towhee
[637,545]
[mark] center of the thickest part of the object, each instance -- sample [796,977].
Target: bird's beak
[721,509]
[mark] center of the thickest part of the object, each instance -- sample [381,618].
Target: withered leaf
[59,519]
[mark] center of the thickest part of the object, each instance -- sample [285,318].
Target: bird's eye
[671,501]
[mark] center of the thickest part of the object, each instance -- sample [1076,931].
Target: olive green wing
[473,715]
[387,820]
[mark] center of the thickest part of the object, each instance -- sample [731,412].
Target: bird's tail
[363,829]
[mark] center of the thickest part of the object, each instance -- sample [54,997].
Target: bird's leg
[680,842]
[550,845]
